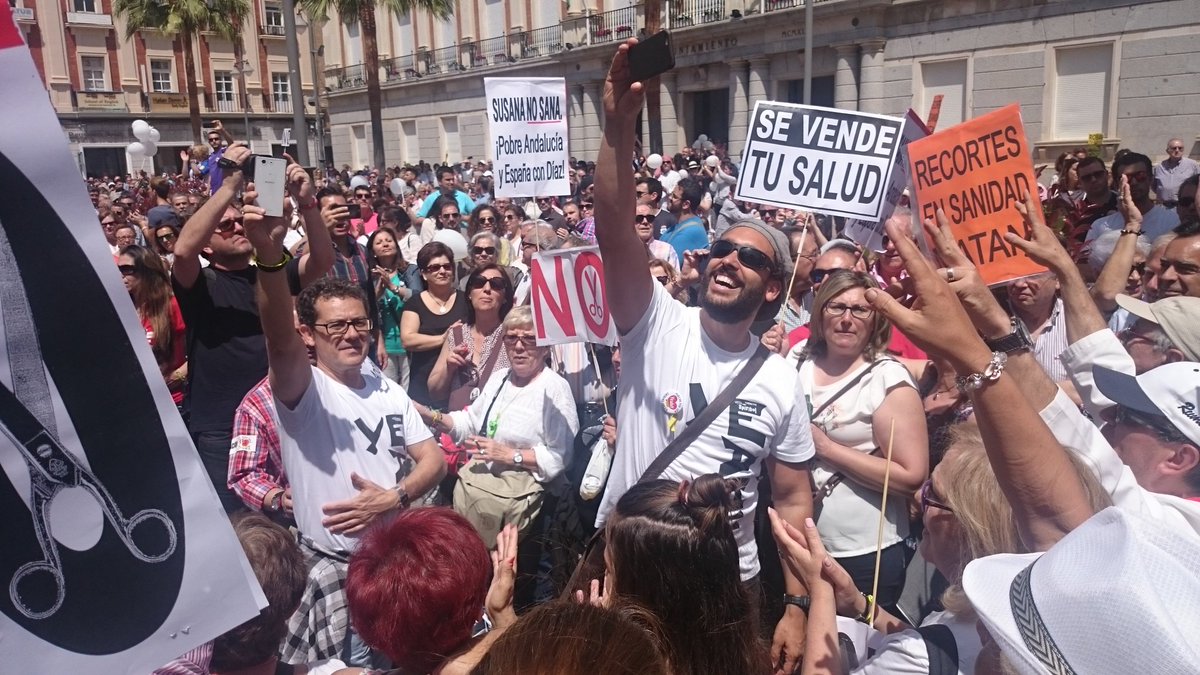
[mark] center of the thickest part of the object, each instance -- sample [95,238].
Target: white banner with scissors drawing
[568,294]
[117,556]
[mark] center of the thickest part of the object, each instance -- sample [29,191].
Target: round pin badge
[672,403]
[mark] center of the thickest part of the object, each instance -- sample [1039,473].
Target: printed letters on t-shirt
[395,425]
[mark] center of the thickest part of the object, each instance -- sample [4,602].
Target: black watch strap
[1019,339]
[801,601]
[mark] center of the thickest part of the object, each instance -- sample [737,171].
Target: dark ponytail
[711,500]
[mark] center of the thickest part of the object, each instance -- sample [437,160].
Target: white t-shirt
[905,652]
[541,415]
[1155,223]
[669,361]
[849,522]
[335,430]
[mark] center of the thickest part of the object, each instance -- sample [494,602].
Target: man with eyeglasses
[219,140]
[677,359]
[1099,199]
[368,221]
[650,192]
[1170,173]
[1157,220]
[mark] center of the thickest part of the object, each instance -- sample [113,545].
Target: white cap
[1171,391]
[1115,596]
[1179,317]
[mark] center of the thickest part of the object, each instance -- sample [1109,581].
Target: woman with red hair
[417,587]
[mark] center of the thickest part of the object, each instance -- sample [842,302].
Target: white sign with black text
[831,161]
[527,122]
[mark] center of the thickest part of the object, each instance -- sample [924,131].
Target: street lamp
[242,68]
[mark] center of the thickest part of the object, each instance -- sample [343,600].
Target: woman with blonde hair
[966,517]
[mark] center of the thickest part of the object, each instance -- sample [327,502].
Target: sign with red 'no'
[568,298]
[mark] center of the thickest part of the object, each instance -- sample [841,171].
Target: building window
[223,90]
[949,80]
[92,68]
[160,76]
[1082,78]
[451,142]
[272,18]
[281,91]
[408,133]
[84,5]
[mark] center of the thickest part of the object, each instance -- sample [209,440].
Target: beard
[743,306]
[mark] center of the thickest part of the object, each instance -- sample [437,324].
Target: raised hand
[499,602]
[299,183]
[622,96]
[1129,211]
[986,313]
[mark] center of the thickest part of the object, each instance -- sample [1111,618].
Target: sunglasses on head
[494,283]
[747,255]
[483,250]
[439,267]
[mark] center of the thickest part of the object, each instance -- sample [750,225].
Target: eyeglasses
[929,498]
[339,328]
[166,237]
[127,270]
[662,279]
[1095,175]
[483,250]
[768,213]
[818,275]
[226,227]
[1161,426]
[1174,147]
[362,195]
[856,311]
[643,219]
[494,283]
[1140,268]
[527,341]
[587,205]
[747,255]
[439,267]
[528,244]
[1128,336]
[488,220]
[509,216]
[1138,176]
[450,216]
[212,139]
[642,193]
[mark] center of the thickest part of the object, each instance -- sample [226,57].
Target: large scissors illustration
[51,470]
[27,420]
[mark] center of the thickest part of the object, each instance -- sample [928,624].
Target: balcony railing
[226,106]
[684,13]
[542,42]
[399,68]
[444,60]
[491,51]
[271,29]
[347,77]
[281,105]
[616,24]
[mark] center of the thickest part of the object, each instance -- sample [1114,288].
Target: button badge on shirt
[672,404]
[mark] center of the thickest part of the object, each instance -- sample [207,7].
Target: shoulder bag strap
[941,647]
[485,369]
[486,414]
[692,431]
[850,385]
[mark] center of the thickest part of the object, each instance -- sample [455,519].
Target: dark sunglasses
[643,219]
[450,216]
[929,498]
[818,275]
[226,227]
[662,279]
[362,195]
[495,283]
[166,237]
[1161,426]
[587,205]
[439,267]
[747,255]
[1138,176]
[483,250]
[1091,176]
[127,270]
[528,341]
[487,219]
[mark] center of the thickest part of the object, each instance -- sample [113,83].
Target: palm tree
[183,19]
[364,11]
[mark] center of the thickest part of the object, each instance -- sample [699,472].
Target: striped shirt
[1050,342]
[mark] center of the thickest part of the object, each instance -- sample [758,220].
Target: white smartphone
[270,179]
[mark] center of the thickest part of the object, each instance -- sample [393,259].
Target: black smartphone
[355,210]
[650,57]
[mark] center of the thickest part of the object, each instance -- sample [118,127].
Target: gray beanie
[783,261]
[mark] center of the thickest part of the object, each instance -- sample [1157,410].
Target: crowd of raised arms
[995,480]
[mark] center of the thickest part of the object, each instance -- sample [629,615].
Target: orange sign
[976,173]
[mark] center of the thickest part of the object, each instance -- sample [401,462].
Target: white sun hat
[1115,596]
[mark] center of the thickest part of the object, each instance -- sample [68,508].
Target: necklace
[443,306]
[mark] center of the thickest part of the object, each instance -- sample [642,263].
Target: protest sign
[527,119]
[870,233]
[568,298]
[976,173]
[820,159]
[117,556]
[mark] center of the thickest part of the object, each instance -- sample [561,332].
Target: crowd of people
[363,384]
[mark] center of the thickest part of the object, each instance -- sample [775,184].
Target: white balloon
[654,161]
[149,148]
[456,242]
[397,186]
[359,181]
[136,149]
[154,135]
[141,129]
[712,161]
